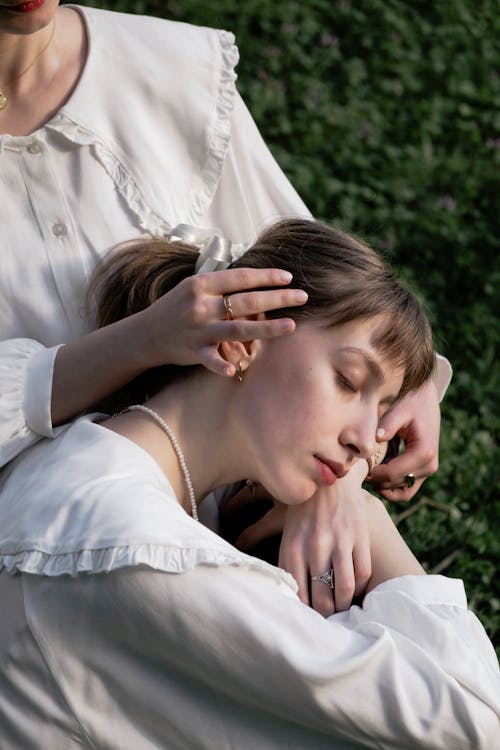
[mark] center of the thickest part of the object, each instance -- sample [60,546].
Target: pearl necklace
[177,449]
[3,98]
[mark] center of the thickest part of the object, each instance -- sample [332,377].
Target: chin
[32,21]
[298,494]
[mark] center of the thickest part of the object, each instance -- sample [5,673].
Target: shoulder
[157,96]
[150,35]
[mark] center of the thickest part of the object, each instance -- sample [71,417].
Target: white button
[60,230]
[35,147]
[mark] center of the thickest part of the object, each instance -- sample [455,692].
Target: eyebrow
[373,368]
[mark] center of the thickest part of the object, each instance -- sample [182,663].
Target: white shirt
[162,635]
[153,135]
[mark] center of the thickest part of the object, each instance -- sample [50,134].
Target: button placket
[49,207]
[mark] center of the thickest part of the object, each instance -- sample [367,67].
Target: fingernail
[300,296]
[285,276]
[287,326]
[380,432]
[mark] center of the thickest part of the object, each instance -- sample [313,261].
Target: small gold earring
[239,373]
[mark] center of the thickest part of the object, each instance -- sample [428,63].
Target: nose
[359,436]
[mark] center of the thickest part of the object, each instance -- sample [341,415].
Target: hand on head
[186,326]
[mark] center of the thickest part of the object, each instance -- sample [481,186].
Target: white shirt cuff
[426,589]
[442,375]
[38,393]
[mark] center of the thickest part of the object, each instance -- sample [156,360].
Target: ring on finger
[410,480]
[327,577]
[226,299]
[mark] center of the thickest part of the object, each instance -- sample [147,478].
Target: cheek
[290,390]
[287,408]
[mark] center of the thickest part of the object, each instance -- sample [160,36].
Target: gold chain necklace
[3,98]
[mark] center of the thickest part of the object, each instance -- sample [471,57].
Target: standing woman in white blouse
[115,126]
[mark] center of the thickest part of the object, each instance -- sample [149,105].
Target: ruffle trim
[155,556]
[221,134]
[149,220]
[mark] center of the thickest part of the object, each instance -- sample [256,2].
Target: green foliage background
[385,115]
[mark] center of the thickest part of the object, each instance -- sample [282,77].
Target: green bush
[385,116]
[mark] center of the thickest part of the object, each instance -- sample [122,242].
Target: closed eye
[345,384]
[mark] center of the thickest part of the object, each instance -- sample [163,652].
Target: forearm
[391,556]
[94,366]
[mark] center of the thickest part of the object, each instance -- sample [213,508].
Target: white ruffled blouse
[127,624]
[154,134]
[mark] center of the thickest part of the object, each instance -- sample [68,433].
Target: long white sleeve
[26,369]
[253,190]
[228,658]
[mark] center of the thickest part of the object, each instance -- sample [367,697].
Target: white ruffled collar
[196,76]
[92,501]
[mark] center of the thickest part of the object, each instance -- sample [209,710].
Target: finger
[292,560]
[269,525]
[248,330]
[393,474]
[390,424]
[344,579]
[217,364]
[237,279]
[254,303]
[322,597]
[402,493]
[361,558]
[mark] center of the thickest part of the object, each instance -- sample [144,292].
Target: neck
[35,92]
[202,413]
[19,51]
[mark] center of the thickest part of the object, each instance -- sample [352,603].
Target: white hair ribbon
[216,253]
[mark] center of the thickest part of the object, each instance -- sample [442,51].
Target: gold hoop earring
[239,373]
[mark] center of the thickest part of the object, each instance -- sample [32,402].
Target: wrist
[142,347]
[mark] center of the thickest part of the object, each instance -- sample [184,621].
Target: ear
[240,353]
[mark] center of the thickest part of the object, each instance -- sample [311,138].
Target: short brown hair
[345,280]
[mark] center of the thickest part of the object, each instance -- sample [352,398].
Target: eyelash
[345,383]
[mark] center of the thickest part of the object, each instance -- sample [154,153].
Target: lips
[330,470]
[24,7]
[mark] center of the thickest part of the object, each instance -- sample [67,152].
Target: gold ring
[227,307]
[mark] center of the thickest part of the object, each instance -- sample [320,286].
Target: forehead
[355,344]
